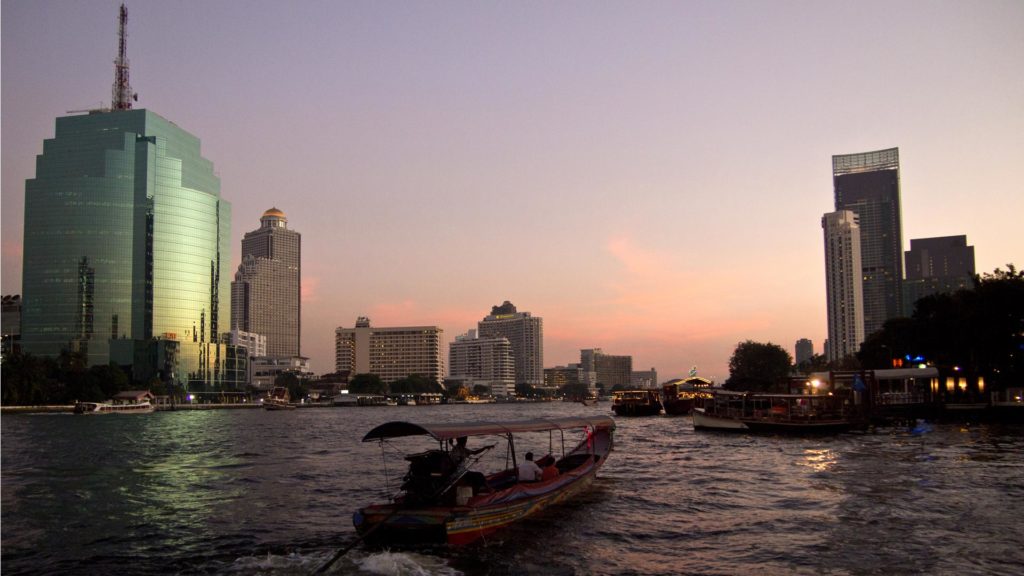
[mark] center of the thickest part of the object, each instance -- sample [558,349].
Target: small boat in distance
[442,502]
[279,399]
[643,402]
[680,396]
[775,413]
[127,402]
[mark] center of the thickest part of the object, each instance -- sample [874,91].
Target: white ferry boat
[128,402]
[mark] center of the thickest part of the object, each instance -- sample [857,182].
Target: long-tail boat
[442,502]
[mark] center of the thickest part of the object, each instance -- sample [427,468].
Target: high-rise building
[868,183]
[483,361]
[525,333]
[561,376]
[937,265]
[643,378]
[266,292]
[804,351]
[127,240]
[606,370]
[11,324]
[843,286]
[390,353]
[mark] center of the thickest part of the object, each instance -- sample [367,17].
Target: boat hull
[678,407]
[104,408]
[819,427]
[402,524]
[705,421]
[393,525]
[636,410]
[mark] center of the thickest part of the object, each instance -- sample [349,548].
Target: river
[258,492]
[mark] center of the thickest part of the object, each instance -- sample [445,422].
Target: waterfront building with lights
[525,333]
[391,353]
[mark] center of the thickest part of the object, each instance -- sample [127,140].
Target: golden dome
[274,213]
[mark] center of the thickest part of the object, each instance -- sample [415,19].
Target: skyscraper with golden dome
[266,292]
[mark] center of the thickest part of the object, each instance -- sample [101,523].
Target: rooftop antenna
[122,92]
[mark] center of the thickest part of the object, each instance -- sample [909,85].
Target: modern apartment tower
[937,265]
[391,353]
[869,184]
[843,286]
[525,333]
[804,351]
[127,241]
[483,361]
[608,370]
[266,292]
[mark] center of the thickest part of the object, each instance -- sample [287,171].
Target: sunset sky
[647,177]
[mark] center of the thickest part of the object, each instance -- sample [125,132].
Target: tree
[978,331]
[575,391]
[817,363]
[415,384]
[296,387]
[524,390]
[367,384]
[758,367]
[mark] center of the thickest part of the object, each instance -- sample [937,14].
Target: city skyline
[649,178]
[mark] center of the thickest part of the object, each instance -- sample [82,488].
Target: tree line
[977,331]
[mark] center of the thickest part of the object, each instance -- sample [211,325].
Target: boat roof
[448,430]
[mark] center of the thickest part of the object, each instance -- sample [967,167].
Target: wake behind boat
[442,502]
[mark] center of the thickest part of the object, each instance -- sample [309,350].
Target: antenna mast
[122,92]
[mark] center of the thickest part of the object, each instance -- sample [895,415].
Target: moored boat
[441,502]
[128,402]
[643,402]
[279,399]
[679,397]
[775,413]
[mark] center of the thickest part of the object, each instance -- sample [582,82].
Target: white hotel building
[390,353]
[483,361]
[843,284]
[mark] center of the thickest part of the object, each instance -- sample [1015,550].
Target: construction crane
[122,91]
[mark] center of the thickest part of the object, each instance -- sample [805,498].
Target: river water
[256,492]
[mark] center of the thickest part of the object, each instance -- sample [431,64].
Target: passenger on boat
[528,470]
[547,467]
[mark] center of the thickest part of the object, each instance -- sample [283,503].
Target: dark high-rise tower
[934,265]
[869,185]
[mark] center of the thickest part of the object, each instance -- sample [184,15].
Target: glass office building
[127,238]
[868,184]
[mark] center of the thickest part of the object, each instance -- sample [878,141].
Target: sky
[647,177]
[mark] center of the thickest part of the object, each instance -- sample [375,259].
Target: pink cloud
[310,289]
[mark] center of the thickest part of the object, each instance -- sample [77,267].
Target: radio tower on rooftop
[122,92]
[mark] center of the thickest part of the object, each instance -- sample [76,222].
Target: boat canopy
[449,430]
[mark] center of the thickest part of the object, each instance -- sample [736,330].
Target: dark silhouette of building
[868,184]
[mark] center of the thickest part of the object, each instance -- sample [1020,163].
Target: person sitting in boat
[528,470]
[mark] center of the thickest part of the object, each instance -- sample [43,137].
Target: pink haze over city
[647,177]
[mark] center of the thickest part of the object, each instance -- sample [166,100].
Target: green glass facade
[127,237]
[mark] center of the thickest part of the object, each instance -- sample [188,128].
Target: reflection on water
[254,492]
